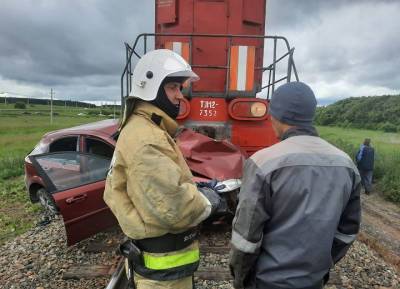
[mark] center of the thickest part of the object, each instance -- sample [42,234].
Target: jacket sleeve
[359,154]
[247,228]
[162,195]
[349,223]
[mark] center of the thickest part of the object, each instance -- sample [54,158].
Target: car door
[76,180]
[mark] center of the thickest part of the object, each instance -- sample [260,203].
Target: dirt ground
[381,228]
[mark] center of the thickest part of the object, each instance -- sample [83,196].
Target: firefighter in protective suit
[149,187]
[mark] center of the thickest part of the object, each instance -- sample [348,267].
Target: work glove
[221,206]
[240,265]
[212,197]
[211,184]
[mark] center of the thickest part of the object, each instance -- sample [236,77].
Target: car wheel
[47,201]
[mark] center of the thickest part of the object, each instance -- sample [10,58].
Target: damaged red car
[66,172]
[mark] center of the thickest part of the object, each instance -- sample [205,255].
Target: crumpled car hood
[212,159]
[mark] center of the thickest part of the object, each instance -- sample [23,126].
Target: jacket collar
[295,131]
[147,110]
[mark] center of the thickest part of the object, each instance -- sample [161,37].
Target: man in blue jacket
[299,204]
[365,164]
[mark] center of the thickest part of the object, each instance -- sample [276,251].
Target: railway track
[213,270]
[41,259]
[214,247]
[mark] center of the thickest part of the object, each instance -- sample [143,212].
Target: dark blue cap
[293,103]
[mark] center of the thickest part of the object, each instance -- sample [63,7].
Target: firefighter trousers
[143,283]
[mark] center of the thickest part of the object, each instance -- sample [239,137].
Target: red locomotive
[225,43]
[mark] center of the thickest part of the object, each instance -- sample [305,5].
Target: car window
[99,147]
[66,170]
[66,144]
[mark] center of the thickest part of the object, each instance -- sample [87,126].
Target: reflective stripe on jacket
[299,210]
[149,187]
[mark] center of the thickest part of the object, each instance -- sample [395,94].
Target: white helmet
[153,68]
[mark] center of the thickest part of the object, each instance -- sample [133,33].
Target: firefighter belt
[181,261]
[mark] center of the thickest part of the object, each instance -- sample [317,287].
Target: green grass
[17,213]
[382,141]
[20,133]
[387,154]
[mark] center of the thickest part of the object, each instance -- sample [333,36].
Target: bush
[389,181]
[347,147]
[388,127]
[20,105]
[105,111]
[12,166]
[93,112]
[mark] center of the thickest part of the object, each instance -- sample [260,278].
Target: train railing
[141,45]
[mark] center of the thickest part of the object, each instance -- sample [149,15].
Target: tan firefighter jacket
[149,187]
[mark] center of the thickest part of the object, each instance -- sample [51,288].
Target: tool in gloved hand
[210,191]
[212,197]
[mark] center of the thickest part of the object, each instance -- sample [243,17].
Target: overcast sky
[342,48]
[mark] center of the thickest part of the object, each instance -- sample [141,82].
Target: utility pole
[4,98]
[114,108]
[51,105]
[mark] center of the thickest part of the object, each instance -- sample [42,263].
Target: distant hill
[372,112]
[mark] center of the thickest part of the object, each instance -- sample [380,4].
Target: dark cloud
[343,47]
[343,44]
[284,14]
[61,43]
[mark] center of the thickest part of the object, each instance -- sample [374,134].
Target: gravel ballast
[38,259]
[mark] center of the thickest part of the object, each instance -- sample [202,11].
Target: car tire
[47,201]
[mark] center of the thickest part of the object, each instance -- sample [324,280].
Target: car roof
[108,128]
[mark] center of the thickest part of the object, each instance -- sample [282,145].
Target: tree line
[367,112]
[33,101]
